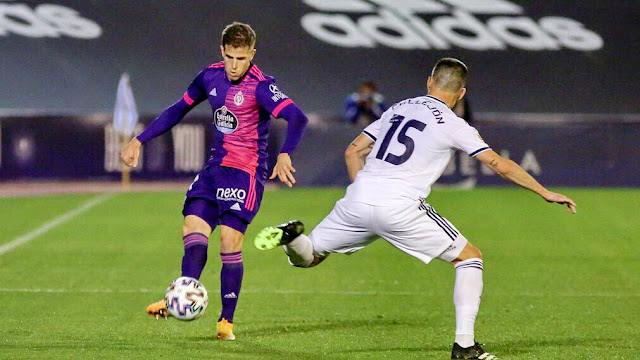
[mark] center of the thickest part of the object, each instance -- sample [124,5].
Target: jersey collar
[435,98]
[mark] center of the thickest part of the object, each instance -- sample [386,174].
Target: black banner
[571,152]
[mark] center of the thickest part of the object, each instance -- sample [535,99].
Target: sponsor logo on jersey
[277,94]
[45,21]
[239,98]
[225,121]
[231,194]
[480,25]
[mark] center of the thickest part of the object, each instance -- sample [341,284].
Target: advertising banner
[558,153]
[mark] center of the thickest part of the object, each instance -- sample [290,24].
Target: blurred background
[553,84]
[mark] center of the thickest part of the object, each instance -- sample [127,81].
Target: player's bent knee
[469,252]
[194,224]
[477,253]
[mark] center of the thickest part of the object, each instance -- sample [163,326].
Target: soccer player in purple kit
[228,191]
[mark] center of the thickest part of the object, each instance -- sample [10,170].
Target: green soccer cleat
[273,236]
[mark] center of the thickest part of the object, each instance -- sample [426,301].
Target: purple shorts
[224,196]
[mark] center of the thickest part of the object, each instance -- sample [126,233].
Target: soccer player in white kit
[393,163]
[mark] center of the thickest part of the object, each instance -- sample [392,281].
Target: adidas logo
[231,295]
[480,25]
[214,92]
[22,19]
[236,207]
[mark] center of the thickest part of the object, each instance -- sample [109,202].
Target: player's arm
[511,171]
[165,121]
[279,105]
[296,124]
[356,153]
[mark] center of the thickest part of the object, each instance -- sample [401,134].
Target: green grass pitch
[557,286]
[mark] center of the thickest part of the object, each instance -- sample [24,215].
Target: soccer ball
[186,298]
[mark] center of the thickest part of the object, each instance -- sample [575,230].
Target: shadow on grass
[518,347]
[326,325]
[254,340]
[256,336]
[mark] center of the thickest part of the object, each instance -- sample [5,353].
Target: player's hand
[284,170]
[560,199]
[131,153]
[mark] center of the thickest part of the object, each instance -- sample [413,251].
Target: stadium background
[575,112]
[569,116]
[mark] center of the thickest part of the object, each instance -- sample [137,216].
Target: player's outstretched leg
[472,352]
[296,245]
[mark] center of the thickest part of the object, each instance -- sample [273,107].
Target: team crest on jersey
[225,121]
[239,98]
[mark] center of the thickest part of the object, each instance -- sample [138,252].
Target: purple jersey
[242,112]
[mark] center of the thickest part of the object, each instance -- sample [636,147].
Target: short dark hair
[449,75]
[239,35]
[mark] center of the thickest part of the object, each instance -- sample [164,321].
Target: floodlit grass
[557,286]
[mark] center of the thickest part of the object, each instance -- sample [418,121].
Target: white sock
[466,299]
[300,251]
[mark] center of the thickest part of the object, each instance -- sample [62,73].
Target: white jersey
[414,142]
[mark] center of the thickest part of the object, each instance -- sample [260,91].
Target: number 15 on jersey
[402,138]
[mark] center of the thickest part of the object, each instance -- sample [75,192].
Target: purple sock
[230,283]
[195,254]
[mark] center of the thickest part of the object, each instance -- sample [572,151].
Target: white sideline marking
[23,239]
[284,291]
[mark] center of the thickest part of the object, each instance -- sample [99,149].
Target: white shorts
[414,227]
